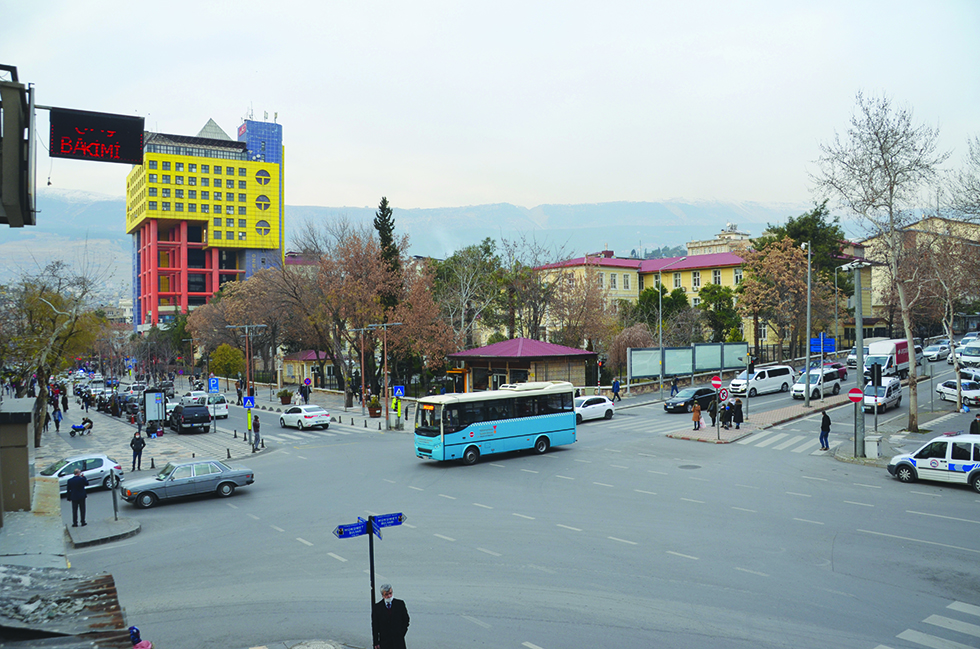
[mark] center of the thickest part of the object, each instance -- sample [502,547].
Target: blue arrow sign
[388,520]
[399,390]
[213,386]
[248,402]
[829,345]
[350,531]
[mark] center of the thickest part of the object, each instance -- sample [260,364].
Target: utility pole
[361,331]
[249,387]
[384,327]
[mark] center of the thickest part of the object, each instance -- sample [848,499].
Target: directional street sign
[399,390]
[213,386]
[389,520]
[823,345]
[350,531]
[360,527]
[248,402]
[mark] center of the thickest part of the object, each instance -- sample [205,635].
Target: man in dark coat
[737,413]
[77,495]
[389,619]
[975,426]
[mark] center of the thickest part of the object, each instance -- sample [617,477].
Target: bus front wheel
[471,455]
[541,445]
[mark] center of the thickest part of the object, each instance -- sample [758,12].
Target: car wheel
[471,456]
[146,499]
[815,394]
[282,423]
[299,424]
[836,389]
[110,482]
[578,418]
[905,473]
[752,392]
[226,489]
[784,387]
[326,426]
[975,483]
[898,404]
[609,414]
[942,396]
[690,407]
[541,445]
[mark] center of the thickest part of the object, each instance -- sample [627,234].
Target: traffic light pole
[859,350]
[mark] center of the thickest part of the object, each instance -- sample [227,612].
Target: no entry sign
[855,395]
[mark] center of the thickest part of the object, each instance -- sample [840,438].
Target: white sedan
[593,408]
[971,392]
[301,417]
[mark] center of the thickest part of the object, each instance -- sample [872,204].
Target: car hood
[139,484]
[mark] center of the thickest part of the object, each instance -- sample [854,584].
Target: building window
[179,166]
[205,195]
[229,223]
[242,211]
[262,177]
[153,191]
[241,185]
[716,276]
[153,205]
[192,180]
[178,207]
[612,281]
[192,207]
[241,223]
[695,301]
[262,202]
[677,280]
[166,166]
[241,198]
[178,193]
[217,221]
[166,192]
[263,228]
[696,280]
[205,182]
[242,171]
[217,169]
[152,164]
[166,206]
[230,171]
[241,236]
[217,234]
[602,279]
[165,179]
[229,209]
[153,178]
[204,208]
[191,193]
[192,168]
[626,282]
[205,169]
[738,276]
[639,282]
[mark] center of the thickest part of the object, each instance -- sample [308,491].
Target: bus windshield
[427,418]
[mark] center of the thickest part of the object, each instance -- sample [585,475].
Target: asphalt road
[626,538]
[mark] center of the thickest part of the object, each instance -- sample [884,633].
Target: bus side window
[450,419]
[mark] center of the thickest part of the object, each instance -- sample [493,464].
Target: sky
[440,104]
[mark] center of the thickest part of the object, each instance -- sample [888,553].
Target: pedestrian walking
[696,415]
[77,495]
[57,419]
[673,387]
[713,411]
[615,391]
[64,402]
[47,419]
[139,422]
[975,425]
[389,621]
[255,431]
[737,413]
[137,444]
[824,432]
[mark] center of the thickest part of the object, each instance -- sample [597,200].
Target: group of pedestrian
[730,412]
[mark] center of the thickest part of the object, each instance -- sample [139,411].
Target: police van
[952,458]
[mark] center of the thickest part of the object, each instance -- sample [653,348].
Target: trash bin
[872,444]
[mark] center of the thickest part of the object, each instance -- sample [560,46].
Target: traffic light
[16,152]
[751,367]
[876,375]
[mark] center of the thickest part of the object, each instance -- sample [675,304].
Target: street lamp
[806,368]
[660,316]
[361,331]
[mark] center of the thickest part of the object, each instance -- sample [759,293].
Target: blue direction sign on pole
[399,390]
[350,531]
[829,345]
[213,386]
[389,520]
[248,402]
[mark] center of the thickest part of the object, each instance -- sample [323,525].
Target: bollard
[235,435]
[365,423]
[263,442]
[152,466]
[228,450]
[193,455]
[379,425]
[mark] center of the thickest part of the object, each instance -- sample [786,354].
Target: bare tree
[965,185]
[579,310]
[877,172]
[467,285]
[636,336]
[528,290]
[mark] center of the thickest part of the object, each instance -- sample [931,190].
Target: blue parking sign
[248,402]
[213,385]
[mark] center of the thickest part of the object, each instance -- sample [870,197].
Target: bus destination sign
[103,137]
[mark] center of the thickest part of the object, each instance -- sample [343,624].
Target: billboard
[103,137]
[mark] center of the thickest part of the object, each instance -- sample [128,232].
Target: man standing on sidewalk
[76,494]
[255,431]
[137,444]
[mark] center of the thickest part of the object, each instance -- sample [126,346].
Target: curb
[133,528]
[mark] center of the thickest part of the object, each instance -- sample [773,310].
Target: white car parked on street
[301,417]
[593,408]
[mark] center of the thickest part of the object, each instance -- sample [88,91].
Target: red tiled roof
[714,260]
[306,355]
[520,348]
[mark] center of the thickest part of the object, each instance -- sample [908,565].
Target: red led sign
[103,137]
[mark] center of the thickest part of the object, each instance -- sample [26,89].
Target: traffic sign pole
[857,396]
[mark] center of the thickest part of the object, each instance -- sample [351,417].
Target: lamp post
[806,368]
[249,388]
[384,348]
[660,316]
[361,331]
[836,312]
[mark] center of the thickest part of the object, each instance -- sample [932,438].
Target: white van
[953,458]
[889,393]
[823,380]
[776,378]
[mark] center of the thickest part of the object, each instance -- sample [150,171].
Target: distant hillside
[71,221]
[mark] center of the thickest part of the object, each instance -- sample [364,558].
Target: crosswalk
[957,629]
[780,441]
[293,436]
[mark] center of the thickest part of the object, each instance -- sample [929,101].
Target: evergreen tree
[384,223]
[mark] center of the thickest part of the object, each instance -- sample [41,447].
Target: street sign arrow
[350,531]
[388,520]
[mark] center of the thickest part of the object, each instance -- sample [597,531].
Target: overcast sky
[461,103]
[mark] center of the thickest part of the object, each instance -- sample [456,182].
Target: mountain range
[77,225]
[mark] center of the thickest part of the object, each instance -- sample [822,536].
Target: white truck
[852,358]
[892,355]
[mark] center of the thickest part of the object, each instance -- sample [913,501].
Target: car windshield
[932,349]
[873,391]
[876,360]
[580,401]
[315,410]
[970,385]
[741,376]
[165,471]
[427,417]
[54,468]
[972,350]
[686,393]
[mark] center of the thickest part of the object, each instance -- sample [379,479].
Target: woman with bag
[696,415]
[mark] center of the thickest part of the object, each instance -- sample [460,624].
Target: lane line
[804,520]
[529,471]
[686,556]
[793,493]
[389,481]
[602,484]
[949,518]
[810,477]
[613,538]
[337,557]
[746,486]
[564,477]
[475,621]
[416,488]
[278,529]
[851,502]
[301,457]
[691,500]
[530,645]
[691,477]
[303,541]
[923,541]
[483,506]
[445,538]
[649,493]
[568,527]
[751,572]
[499,466]
[924,493]
[618,466]
[657,472]
[253,516]
[869,486]
[530,518]
[490,552]
[743,509]
[584,461]
[449,497]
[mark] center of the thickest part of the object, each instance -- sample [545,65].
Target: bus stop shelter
[518,361]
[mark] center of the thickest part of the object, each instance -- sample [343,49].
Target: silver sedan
[179,479]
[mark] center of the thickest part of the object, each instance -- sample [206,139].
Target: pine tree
[384,223]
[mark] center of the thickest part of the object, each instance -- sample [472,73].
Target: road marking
[409,525]
[686,556]
[618,466]
[804,520]
[772,440]
[288,436]
[646,454]
[851,502]
[529,471]
[963,607]
[657,472]
[613,538]
[754,437]
[810,477]
[501,466]
[278,529]
[445,538]
[691,477]
[906,538]
[530,518]
[303,541]
[389,481]
[253,516]
[613,450]
[954,625]
[564,477]
[301,457]
[232,506]
[806,447]
[649,493]
[416,488]
[475,621]
[568,527]
[337,557]
[530,645]
[869,486]
[751,572]
[691,500]
[793,493]
[949,518]
[584,461]
[789,442]
[743,509]
[449,497]
[923,493]
[746,486]
[930,640]
[602,484]
[483,506]
[490,552]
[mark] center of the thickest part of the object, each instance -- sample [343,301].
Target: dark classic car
[684,400]
[179,479]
